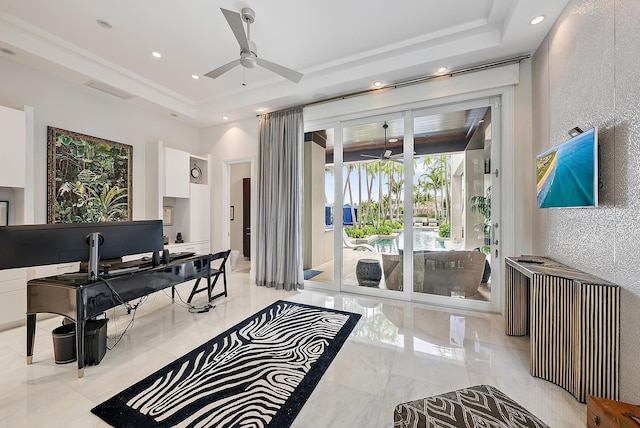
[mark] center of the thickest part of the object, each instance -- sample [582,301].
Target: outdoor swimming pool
[422,240]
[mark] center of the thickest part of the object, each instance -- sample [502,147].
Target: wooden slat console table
[573,319]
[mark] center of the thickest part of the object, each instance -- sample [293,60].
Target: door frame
[226,202]
[503,87]
[494,103]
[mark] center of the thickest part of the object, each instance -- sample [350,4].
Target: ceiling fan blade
[235,22]
[285,72]
[370,156]
[221,70]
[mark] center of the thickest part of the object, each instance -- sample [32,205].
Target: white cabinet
[52,270]
[176,173]
[13,295]
[191,247]
[184,190]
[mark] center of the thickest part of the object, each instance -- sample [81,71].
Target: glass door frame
[494,104]
[337,242]
[503,115]
[339,183]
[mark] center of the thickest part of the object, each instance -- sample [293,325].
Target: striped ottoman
[476,406]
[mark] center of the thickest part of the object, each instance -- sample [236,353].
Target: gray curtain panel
[280,194]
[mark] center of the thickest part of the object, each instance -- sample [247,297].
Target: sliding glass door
[407,204]
[452,216]
[319,208]
[372,205]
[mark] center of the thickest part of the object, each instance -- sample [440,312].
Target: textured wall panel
[627,182]
[540,141]
[581,93]
[593,80]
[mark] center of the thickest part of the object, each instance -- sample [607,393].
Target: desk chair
[215,274]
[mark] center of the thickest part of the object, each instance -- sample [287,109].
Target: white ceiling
[340,46]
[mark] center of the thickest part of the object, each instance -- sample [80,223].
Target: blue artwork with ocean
[570,178]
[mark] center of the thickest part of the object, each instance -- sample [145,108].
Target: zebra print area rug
[258,373]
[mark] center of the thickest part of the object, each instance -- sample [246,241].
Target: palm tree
[371,168]
[443,167]
[396,190]
[432,179]
[419,198]
[392,168]
[347,186]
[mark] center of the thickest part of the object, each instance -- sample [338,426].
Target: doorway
[240,216]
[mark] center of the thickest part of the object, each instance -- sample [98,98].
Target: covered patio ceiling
[433,134]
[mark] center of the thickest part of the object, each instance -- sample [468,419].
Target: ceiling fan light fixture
[248,51]
[248,61]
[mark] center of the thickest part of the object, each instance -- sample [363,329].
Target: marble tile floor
[398,352]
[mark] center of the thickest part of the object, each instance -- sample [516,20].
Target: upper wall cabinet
[12,148]
[178,193]
[176,173]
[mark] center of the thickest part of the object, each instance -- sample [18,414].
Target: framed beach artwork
[89,179]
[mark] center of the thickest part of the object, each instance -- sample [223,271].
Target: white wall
[65,105]
[229,142]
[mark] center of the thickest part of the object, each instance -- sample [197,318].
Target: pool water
[422,240]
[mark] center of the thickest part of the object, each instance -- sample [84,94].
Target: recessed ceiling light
[195,76]
[225,118]
[393,140]
[261,110]
[7,51]
[377,84]
[104,24]
[538,19]
[441,69]
[156,54]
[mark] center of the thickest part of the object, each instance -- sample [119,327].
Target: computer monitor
[45,244]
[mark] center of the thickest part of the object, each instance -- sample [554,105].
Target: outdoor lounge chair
[444,273]
[349,244]
[449,272]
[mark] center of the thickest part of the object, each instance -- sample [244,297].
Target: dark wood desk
[573,320]
[76,297]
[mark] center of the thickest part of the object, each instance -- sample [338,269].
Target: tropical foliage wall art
[88,178]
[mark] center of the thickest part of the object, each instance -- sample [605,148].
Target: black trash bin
[95,342]
[64,343]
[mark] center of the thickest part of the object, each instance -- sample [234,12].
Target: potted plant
[482,205]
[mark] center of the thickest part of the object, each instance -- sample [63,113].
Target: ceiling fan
[387,154]
[248,50]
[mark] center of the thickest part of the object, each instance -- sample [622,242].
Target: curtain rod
[415,81]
